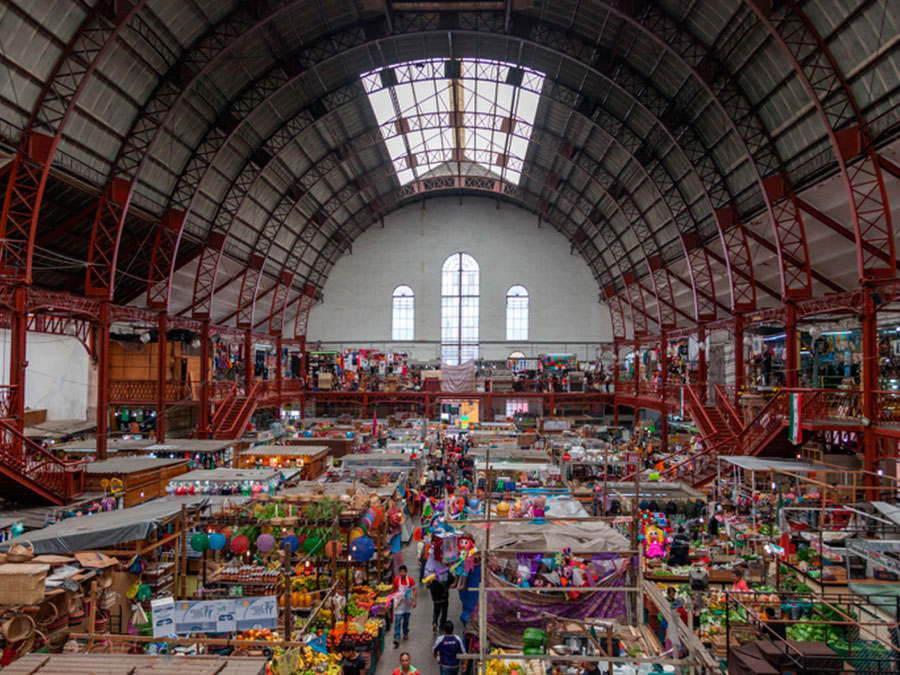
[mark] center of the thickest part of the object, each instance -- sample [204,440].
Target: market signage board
[214,616]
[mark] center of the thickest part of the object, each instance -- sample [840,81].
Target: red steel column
[616,384]
[161,349]
[204,380]
[17,363]
[791,355]
[248,362]
[637,368]
[869,382]
[738,357]
[663,381]
[102,346]
[302,373]
[279,370]
[701,360]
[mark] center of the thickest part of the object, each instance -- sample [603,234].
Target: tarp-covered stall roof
[106,529]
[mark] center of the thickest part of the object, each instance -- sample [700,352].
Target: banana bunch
[498,666]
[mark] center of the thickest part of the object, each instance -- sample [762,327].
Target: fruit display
[259,634]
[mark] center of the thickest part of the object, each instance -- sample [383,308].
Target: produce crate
[22,584]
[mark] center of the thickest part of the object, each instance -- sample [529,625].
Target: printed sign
[213,616]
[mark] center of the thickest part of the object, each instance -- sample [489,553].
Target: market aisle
[420,636]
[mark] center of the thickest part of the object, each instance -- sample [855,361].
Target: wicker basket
[22,584]
[46,613]
[18,627]
[22,551]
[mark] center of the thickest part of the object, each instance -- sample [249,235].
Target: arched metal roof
[703,157]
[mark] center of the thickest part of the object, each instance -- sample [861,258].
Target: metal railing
[8,401]
[726,409]
[134,391]
[23,456]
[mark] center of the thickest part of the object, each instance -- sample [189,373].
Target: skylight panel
[458,112]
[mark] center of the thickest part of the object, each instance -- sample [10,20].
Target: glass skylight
[442,116]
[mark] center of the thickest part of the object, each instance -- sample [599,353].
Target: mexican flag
[795,432]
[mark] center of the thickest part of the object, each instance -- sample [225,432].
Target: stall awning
[105,529]
[769,464]
[889,511]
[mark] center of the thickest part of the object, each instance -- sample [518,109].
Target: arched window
[517,313]
[459,309]
[403,314]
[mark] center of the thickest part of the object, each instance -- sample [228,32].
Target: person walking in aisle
[447,649]
[404,604]
[405,667]
[440,598]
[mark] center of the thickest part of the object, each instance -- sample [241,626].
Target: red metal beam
[616,315]
[821,76]
[249,289]
[279,304]
[741,274]
[795,263]
[638,309]
[846,233]
[889,166]
[44,130]
[104,247]
[737,259]
[162,259]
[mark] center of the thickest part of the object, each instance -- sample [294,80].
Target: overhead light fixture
[195,343]
[145,337]
[70,328]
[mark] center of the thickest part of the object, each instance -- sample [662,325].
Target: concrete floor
[421,638]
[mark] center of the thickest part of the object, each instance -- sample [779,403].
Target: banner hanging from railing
[795,430]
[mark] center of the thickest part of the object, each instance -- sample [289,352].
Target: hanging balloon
[300,537]
[291,542]
[355,533]
[217,541]
[240,544]
[226,532]
[379,516]
[265,543]
[362,549]
[200,542]
[333,549]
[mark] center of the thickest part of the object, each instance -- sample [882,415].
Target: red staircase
[29,473]
[234,414]
[762,433]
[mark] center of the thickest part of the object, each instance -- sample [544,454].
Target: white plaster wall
[57,375]
[510,247]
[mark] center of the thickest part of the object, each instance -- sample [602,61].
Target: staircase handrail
[695,404]
[226,405]
[246,409]
[37,463]
[722,402]
[770,416]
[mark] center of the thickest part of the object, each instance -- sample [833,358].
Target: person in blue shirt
[447,649]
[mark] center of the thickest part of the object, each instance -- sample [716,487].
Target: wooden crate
[22,583]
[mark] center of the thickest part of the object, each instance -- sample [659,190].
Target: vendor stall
[310,459]
[228,482]
[133,479]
